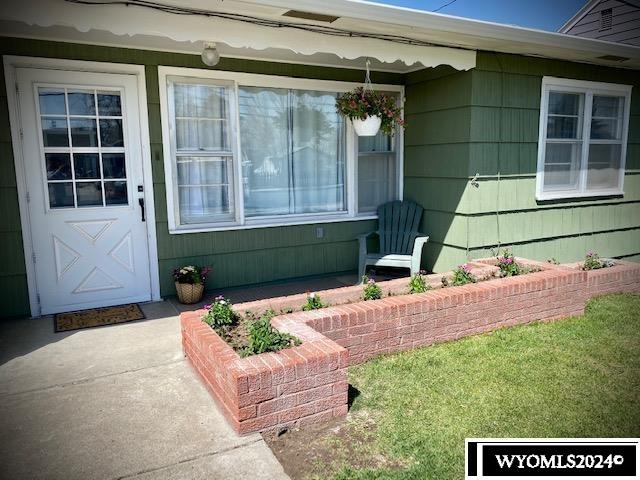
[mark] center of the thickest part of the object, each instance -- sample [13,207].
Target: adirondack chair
[400,242]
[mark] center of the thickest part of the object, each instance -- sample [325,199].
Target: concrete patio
[114,402]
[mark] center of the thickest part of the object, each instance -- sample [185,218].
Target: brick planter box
[308,383]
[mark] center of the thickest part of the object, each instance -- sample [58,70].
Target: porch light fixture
[210,55]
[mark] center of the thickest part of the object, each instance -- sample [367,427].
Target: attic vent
[606,19]
[318,17]
[613,58]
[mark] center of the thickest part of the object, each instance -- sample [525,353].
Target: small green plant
[372,290]
[219,314]
[461,276]
[592,261]
[553,261]
[264,338]
[508,265]
[418,283]
[314,302]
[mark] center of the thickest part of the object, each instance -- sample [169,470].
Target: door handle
[141,203]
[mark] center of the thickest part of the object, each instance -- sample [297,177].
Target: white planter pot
[368,127]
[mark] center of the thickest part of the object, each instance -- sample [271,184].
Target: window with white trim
[252,150]
[583,138]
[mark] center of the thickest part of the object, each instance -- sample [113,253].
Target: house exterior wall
[238,257]
[625,23]
[492,130]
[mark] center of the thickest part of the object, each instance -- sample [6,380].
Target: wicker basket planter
[189,292]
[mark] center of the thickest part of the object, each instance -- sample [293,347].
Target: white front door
[83,167]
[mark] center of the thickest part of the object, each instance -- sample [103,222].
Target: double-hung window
[583,138]
[253,150]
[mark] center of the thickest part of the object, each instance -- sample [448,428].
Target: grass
[578,377]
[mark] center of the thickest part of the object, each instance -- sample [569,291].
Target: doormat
[97,317]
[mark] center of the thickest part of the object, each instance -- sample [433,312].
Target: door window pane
[81,103]
[52,102]
[54,132]
[58,166]
[111,133]
[115,193]
[86,165]
[83,132]
[113,165]
[109,105]
[89,193]
[60,194]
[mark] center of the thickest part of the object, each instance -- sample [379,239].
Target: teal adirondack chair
[400,242]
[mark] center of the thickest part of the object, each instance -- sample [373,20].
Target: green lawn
[571,378]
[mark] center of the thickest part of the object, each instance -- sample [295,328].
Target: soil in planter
[322,450]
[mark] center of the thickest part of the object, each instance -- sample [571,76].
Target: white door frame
[11,63]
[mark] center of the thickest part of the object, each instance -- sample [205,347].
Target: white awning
[130,21]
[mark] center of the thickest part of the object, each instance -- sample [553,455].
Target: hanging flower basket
[368,127]
[370,111]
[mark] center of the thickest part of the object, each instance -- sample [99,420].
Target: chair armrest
[362,239]
[418,243]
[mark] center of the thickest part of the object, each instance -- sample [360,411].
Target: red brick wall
[308,383]
[300,385]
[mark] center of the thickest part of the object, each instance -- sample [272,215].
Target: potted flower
[370,111]
[189,282]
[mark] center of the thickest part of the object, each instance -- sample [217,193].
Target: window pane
[81,103]
[264,124]
[109,104]
[607,106]
[111,133]
[86,165]
[604,166]
[83,132]
[52,102]
[60,195]
[293,144]
[54,132]
[564,127]
[113,165]
[201,117]
[202,204]
[562,103]
[317,153]
[376,180]
[89,193]
[58,166]
[202,170]
[115,193]
[562,166]
[378,143]
[605,129]
[201,134]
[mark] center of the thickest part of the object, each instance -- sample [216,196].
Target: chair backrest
[398,224]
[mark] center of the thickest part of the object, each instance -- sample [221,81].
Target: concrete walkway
[113,403]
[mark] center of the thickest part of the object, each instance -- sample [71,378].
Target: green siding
[500,143]
[482,121]
[238,257]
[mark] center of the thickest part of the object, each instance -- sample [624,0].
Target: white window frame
[166,74]
[553,84]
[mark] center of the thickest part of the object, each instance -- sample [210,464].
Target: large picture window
[583,137]
[251,150]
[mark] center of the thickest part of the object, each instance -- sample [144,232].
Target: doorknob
[141,203]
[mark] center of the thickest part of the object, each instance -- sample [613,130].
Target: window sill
[271,223]
[545,197]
